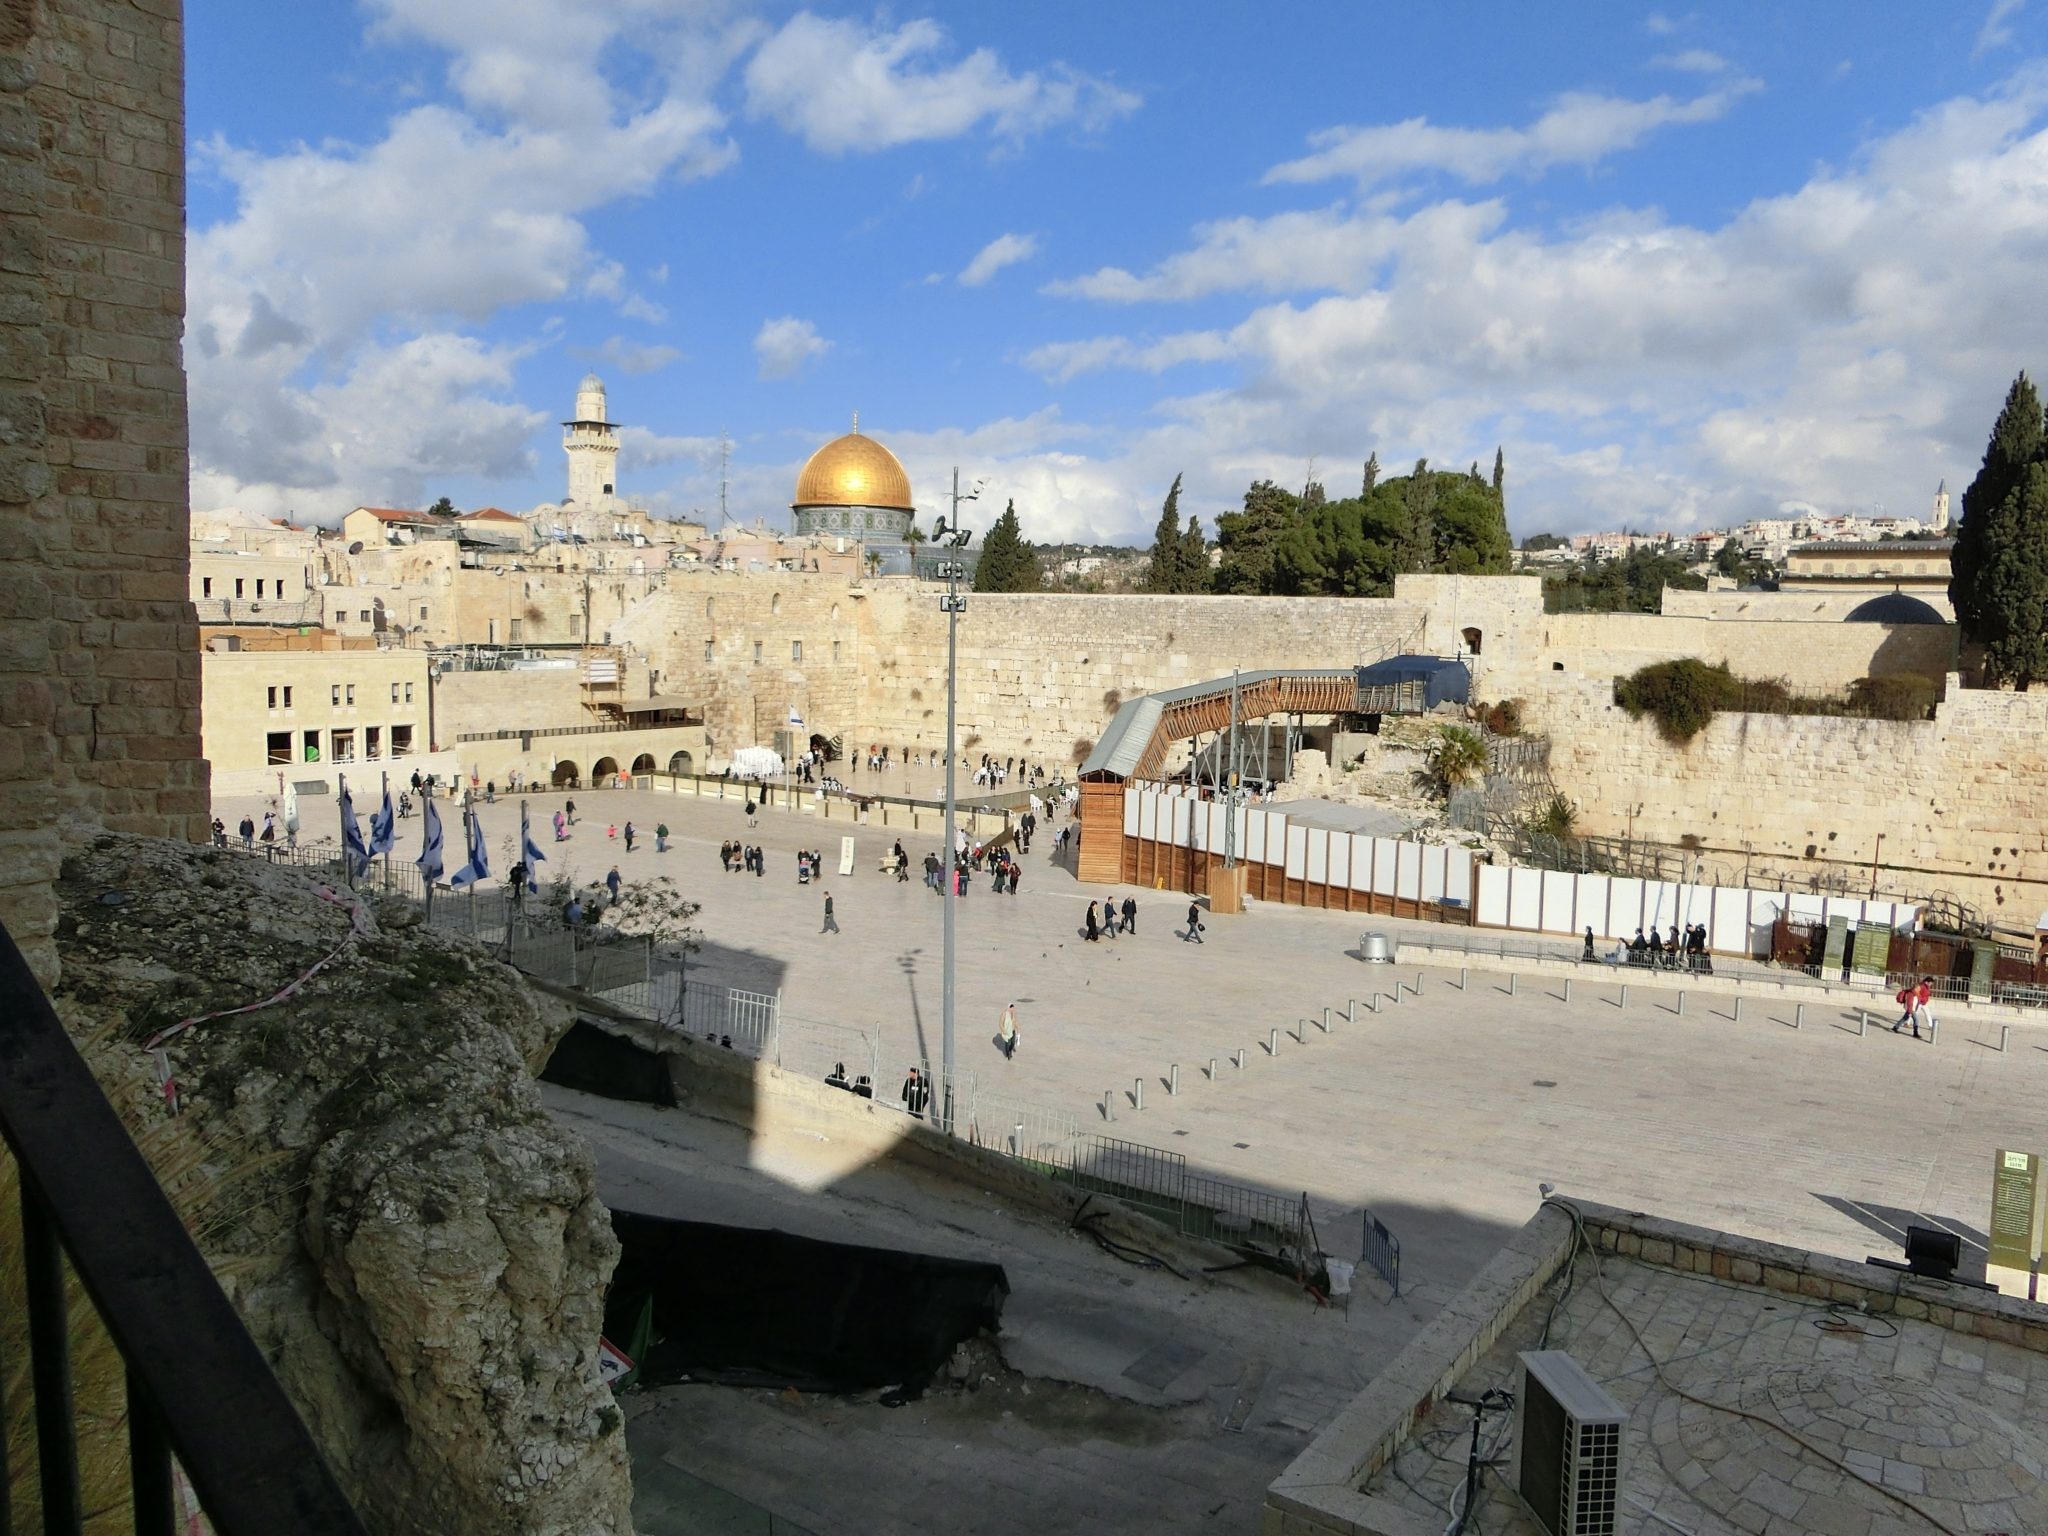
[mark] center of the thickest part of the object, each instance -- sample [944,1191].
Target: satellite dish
[356,548]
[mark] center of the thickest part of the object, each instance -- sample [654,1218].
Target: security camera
[1546,1190]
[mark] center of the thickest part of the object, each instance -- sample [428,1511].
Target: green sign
[1982,958]
[1838,943]
[1873,949]
[2016,1191]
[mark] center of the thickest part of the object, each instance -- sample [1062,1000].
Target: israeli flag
[479,866]
[384,824]
[529,850]
[430,849]
[352,837]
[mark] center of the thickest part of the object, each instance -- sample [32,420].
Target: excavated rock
[415,1245]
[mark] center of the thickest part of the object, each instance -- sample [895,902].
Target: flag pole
[385,775]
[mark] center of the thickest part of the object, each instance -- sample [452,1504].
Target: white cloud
[842,86]
[1693,61]
[630,356]
[784,345]
[346,268]
[1843,344]
[1997,29]
[640,446]
[1003,251]
[1580,129]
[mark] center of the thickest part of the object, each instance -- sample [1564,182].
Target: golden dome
[853,471]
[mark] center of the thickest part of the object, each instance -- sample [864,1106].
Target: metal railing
[1494,943]
[1380,1252]
[198,1388]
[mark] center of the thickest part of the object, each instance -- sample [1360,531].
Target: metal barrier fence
[1959,989]
[1381,1252]
[1494,943]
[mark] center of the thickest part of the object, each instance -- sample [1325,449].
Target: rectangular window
[287,695]
[206,586]
[344,746]
[273,697]
[312,746]
[373,742]
[238,586]
[278,748]
[259,586]
[490,632]
[515,631]
[363,617]
[401,741]
[334,695]
[835,650]
[796,650]
[423,613]
[351,695]
[757,653]
[707,651]
[408,693]
[394,693]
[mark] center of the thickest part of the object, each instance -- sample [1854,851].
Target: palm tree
[1456,758]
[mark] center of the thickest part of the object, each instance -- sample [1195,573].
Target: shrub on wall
[1902,696]
[1504,718]
[1681,696]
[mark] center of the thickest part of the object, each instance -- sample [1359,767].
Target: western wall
[1957,798]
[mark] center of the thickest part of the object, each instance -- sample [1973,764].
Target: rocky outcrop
[416,1246]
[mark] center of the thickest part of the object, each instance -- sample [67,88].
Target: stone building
[99,648]
[286,708]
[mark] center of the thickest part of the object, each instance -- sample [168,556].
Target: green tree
[1194,558]
[1540,541]
[1164,574]
[2013,586]
[1372,473]
[1008,562]
[1456,758]
[1418,528]
[442,508]
[1990,529]
[1251,539]
[1500,475]
[1728,559]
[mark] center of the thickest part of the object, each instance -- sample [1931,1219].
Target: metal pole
[954,603]
[1273,1042]
[1212,1069]
[1173,1080]
[1138,1093]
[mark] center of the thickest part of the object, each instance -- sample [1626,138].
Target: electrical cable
[1600,1281]
[1085,1222]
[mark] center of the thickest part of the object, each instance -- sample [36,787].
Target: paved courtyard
[1441,1114]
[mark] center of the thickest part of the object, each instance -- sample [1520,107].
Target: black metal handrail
[197,1384]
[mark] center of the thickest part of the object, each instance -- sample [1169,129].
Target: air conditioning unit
[1569,1440]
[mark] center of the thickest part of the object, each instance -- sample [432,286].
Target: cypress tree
[1500,472]
[2013,585]
[1372,473]
[1192,571]
[1418,534]
[1991,515]
[1008,563]
[1164,572]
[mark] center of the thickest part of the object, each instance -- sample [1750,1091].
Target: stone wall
[99,651]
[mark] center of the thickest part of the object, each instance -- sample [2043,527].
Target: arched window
[1472,638]
[775,604]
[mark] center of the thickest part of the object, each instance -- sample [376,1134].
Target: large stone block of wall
[99,653]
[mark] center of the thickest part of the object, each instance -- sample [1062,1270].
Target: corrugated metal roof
[1120,747]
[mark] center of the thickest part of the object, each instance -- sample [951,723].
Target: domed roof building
[854,488]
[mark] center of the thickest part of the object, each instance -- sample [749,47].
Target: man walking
[1194,922]
[1007,1031]
[831,923]
[661,837]
[1923,1007]
[629,837]
[915,1095]
[248,831]
[1130,914]
[612,882]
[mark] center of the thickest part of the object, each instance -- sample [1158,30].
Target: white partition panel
[1316,868]
[1383,850]
[1297,851]
[1175,821]
[1134,812]
[1807,909]
[1624,906]
[1458,867]
[1727,917]
[1525,898]
[1255,837]
[1559,902]
[1361,862]
[1589,904]
[1662,901]
[1276,837]
[1408,871]
[1493,895]
[1340,860]
[1435,861]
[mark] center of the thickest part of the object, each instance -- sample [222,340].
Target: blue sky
[1685,266]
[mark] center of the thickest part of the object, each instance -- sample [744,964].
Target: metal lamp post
[953,604]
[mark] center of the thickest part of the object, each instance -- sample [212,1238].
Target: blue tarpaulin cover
[1441,680]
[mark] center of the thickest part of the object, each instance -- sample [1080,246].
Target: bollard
[1862,1021]
[1351,1012]
[1681,1004]
[1372,1004]
[1463,973]
[1624,996]
[1395,997]
[1273,1042]
[1798,1015]
[1212,1069]
[1511,983]
[1326,1019]
[1017,1139]
[1567,989]
[1418,984]
[1933,1030]
[2004,1037]
[1109,1105]
[1736,1016]
[1173,1080]
[1138,1094]
[1239,1058]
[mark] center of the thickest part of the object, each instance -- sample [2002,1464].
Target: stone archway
[681,762]
[644,763]
[566,776]
[601,770]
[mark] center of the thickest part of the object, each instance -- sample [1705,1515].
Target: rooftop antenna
[724,475]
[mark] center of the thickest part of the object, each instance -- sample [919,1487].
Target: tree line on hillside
[1283,543]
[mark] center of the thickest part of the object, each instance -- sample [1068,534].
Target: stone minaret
[1941,508]
[592,444]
